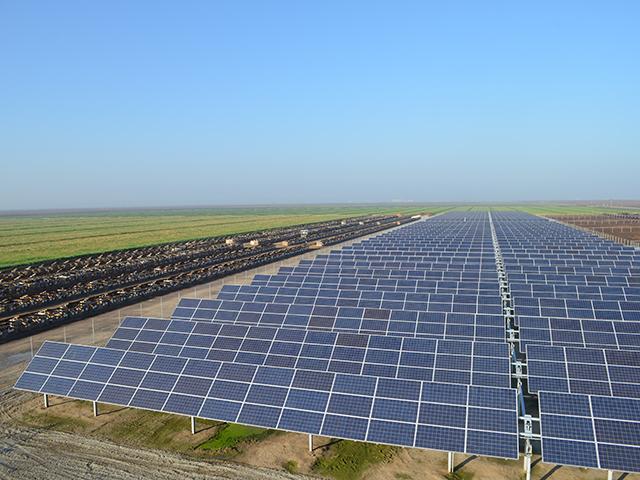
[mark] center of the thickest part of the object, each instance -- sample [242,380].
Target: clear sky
[136,103]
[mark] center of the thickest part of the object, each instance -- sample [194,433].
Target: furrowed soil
[627,227]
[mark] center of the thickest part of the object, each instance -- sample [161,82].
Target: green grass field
[31,238]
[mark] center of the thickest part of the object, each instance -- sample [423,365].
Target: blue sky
[196,103]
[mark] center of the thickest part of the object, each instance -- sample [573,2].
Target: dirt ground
[45,453]
[623,226]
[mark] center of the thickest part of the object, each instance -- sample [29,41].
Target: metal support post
[46,400]
[95,409]
[527,460]
[193,425]
[610,475]
[311,443]
[31,342]
[450,462]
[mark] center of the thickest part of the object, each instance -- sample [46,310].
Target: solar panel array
[584,291]
[398,339]
[576,298]
[383,355]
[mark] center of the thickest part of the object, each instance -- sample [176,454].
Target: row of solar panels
[322,268]
[471,419]
[486,258]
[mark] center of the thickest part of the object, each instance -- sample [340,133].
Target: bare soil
[623,226]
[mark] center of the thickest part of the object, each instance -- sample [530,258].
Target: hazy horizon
[618,204]
[136,105]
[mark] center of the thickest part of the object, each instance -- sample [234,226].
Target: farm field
[32,238]
[36,237]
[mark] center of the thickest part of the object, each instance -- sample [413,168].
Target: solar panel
[462,418]
[590,431]
[583,370]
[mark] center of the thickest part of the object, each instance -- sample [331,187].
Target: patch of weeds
[347,460]
[232,435]
[153,429]
[291,466]
[62,423]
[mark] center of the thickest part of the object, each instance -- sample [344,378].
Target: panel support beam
[46,400]
[95,409]
[311,443]
[450,459]
[193,425]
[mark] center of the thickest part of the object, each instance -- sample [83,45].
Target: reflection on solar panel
[447,361]
[461,418]
[590,431]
